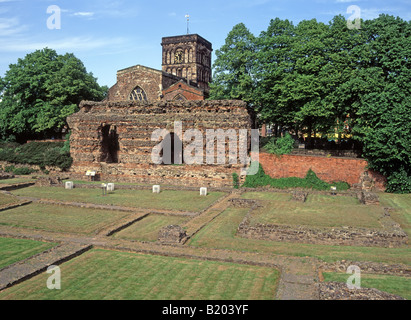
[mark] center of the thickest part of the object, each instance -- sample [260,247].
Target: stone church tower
[188,57]
[185,74]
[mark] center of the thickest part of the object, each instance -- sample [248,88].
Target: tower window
[138,94]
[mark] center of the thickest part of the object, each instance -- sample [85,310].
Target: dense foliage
[236,181]
[36,153]
[280,145]
[40,91]
[327,78]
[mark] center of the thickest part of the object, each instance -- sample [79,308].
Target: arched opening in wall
[109,144]
[138,94]
[179,97]
[172,150]
[179,73]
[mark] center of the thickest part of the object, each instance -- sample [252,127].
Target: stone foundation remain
[172,235]
[368,198]
[300,195]
[390,235]
[340,291]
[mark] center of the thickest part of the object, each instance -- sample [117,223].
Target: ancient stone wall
[131,125]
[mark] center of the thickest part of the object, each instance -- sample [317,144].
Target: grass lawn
[59,218]
[147,229]
[145,199]
[319,211]
[221,233]
[17,180]
[13,250]
[100,274]
[7,199]
[397,285]
[402,205]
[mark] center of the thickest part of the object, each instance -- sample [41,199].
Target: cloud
[68,44]
[83,14]
[10,27]
[346,1]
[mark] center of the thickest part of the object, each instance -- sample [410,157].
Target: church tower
[189,57]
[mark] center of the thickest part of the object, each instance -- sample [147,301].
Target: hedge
[37,153]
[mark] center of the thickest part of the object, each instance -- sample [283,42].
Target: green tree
[272,65]
[40,91]
[383,124]
[304,90]
[233,68]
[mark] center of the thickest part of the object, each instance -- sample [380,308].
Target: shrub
[399,181]
[236,182]
[311,181]
[9,169]
[37,153]
[280,146]
[23,171]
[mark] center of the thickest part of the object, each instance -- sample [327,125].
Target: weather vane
[188,22]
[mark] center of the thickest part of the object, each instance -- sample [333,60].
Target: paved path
[30,267]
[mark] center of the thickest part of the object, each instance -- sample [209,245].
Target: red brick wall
[328,169]
[188,92]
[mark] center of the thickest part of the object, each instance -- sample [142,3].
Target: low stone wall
[333,236]
[366,267]
[340,291]
[172,235]
[15,186]
[300,195]
[14,205]
[6,175]
[243,203]
[390,235]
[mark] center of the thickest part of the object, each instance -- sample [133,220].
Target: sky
[110,35]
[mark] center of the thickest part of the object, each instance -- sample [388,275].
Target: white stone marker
[203,191]
[156,189]
[69,185]
[110,186]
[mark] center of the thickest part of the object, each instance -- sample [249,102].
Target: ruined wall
[133,124]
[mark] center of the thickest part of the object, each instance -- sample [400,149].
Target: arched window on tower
[138,94]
